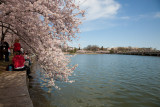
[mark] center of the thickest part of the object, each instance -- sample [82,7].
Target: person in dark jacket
[1,50]
[6,53]
[4,50]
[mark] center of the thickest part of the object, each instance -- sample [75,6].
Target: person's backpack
[9,67]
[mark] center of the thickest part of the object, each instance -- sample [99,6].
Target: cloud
[157,15]
[96,9]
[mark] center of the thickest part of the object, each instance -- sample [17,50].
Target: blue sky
[114,23]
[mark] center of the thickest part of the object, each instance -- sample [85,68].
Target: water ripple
[106,81]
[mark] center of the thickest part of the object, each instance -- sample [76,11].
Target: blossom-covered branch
[44,25]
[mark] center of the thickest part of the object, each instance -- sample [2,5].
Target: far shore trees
[43,26]
[102,48]
[118,49]
[92,48]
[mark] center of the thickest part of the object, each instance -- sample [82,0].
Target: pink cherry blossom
[43,26]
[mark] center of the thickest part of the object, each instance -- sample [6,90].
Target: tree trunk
[3,33]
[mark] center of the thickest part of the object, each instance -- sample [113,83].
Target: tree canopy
[43,26]
[92,48]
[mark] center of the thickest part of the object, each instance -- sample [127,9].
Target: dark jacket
[4,46]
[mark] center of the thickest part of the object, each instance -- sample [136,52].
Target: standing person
[17,46]
[1,50]
[5,51]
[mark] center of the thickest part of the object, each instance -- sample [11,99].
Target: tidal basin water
[104,80]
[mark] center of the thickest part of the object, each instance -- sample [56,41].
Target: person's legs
[7,56]
[1,54]
[28,70]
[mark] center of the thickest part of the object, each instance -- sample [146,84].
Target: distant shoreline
[127,53]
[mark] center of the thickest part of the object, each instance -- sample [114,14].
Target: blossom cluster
[44,26]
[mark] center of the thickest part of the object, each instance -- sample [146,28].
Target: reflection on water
[104,81]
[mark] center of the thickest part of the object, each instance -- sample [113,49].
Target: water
[105,81]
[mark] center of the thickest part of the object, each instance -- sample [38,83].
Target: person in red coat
[18,63]
[17,46]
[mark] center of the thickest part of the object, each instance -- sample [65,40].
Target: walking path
[13,88]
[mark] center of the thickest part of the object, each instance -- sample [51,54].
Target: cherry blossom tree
[43,26]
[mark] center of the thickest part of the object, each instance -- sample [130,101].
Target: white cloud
[157,15]
[96,9]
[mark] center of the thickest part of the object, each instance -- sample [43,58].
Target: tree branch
[16,33]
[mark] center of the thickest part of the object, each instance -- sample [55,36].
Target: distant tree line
[95,48]
[92,48]
[119,49]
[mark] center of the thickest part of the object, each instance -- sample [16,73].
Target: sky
[120,23]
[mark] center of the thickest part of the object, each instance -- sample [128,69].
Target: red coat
[18,61]
[17,47]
